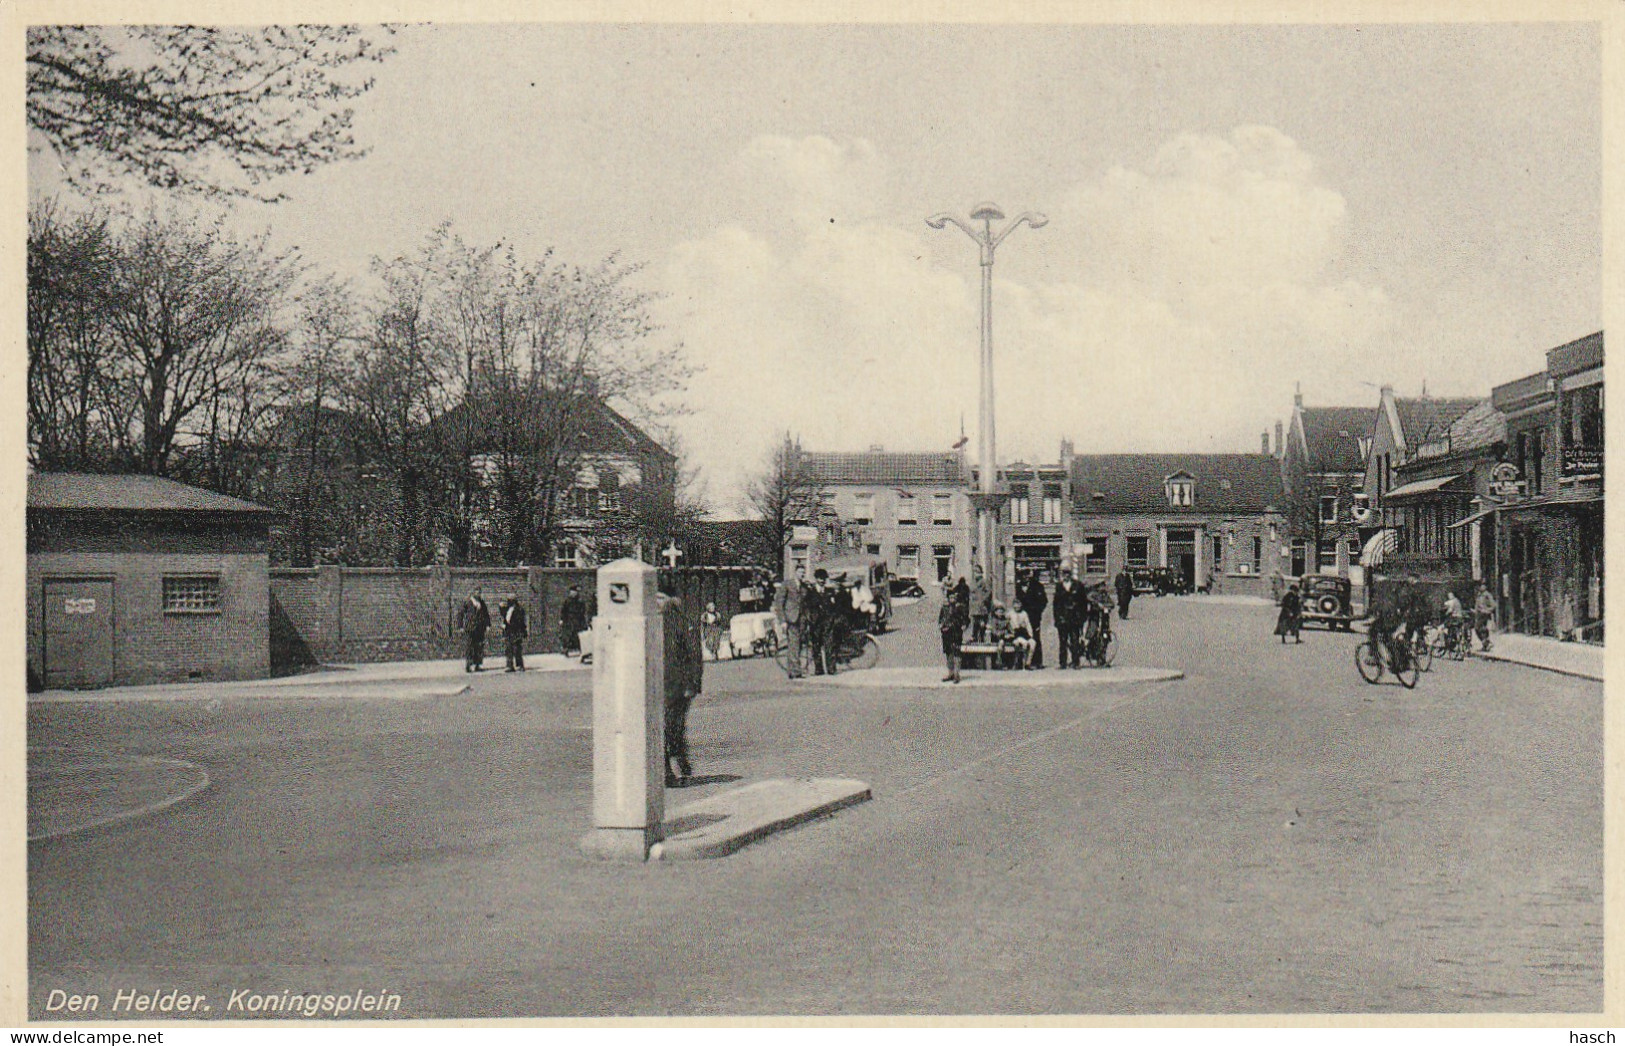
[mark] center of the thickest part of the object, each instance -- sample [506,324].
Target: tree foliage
[215,110]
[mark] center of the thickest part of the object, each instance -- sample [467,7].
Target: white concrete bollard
[628,714]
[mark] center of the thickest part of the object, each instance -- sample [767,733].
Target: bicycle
[1453,639]
[1100,648]
[1373,657]
[1422,650]
[853,650]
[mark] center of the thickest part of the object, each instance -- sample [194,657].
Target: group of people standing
[819,615]
[1082,615]
[474,621]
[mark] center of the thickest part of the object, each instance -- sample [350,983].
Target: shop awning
[1419,487]
[1474,518]
[1379,546]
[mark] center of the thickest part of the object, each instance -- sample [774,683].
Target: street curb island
[719,824]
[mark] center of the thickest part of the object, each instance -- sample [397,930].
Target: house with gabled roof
[1323,463]
[1218,520]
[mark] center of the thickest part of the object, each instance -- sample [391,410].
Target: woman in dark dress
[1290,619]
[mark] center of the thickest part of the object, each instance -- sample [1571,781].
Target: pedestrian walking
[981,605]
[1290,620]
[1483,615]
[711,630]
[1125,593]
[1069,606]
[951,621]
[1033,599]
[572,622]
[515,629]
[789,607]
[684,679]
[474,620]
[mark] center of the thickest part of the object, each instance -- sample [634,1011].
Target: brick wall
[348,614]
[150,646]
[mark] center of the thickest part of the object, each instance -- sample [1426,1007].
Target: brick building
[1549,528]
[1217,519]
[138,579]
[910,509]
[1323,459]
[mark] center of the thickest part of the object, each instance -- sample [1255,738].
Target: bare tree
[208,109]
[540,348]
[784,494]
[401,378]
[151,347]
[71,419]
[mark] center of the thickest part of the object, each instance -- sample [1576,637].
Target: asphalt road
[1267,835]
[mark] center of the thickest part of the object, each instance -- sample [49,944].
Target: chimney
[1297,395]
[1066,453]
[1278,443]
[1264,439]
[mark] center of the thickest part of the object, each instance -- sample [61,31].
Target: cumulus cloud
[1182,297]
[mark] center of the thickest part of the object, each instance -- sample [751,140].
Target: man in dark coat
[474,619]
[1125,592]
[515,629]
[685,668]
[572,622]
[1033,599]
[820,609]
[1069,597]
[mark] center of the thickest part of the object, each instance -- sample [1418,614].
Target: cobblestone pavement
[1267,835]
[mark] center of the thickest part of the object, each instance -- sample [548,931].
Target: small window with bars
[192,594]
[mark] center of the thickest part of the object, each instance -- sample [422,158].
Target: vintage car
[1144,579]
[1325,600]
[871,571]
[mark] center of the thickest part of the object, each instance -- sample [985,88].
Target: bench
[991,655]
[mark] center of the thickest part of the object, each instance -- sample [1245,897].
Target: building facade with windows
[1436,505]
[1035,520]
[1219,520]
[1549,516]
[1323,461]
[139,579]
[910,509]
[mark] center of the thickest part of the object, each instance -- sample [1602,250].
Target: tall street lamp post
[987,496]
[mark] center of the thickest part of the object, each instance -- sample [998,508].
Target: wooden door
[78,634]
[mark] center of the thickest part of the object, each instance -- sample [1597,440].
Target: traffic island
[924,678]
[720,824]
[68,795]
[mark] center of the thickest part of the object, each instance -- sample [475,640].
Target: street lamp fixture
[986,214]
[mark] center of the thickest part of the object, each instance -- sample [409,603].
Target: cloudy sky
[1233,211]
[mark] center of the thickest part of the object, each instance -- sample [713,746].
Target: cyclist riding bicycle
[1386,620]
[1455,618]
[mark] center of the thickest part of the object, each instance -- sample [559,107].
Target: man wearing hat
[1068,603]
[514,630]
[821,610]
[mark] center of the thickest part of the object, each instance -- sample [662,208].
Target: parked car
[906,588]
[1326,600]
[1144,579]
